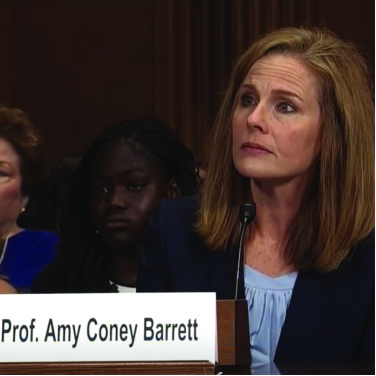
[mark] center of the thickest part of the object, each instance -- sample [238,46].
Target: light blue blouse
[268,299]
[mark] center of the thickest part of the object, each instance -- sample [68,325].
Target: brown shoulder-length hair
[339,209]
[17,129]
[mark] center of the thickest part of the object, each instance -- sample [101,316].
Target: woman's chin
[121,240]
[256,173]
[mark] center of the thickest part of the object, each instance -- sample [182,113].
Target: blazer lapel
[222,274]
[309,298]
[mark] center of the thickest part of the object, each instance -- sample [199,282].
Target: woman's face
[11,199]
[126,187]
[277,119]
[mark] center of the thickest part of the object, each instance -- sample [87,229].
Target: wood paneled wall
[197,42]
[77,66]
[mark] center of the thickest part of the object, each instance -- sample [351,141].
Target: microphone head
[247,212]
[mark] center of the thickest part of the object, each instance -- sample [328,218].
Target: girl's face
[126,187]
[277,120]
[11,199]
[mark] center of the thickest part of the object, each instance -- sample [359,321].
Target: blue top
[268,299]
[24,255]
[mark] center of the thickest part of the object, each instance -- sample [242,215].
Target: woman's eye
[135,187]
[247,100]
[285,108]
[100,190]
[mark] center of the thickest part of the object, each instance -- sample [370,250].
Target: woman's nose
[257,119]
[119,197]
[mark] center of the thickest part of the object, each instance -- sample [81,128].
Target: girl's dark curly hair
[81,253]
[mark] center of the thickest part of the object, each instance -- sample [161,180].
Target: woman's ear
[25,200]
[173,189]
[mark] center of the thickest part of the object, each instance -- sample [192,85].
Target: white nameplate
[108,327]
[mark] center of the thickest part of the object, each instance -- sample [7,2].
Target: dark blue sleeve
[366,346]
[153,273]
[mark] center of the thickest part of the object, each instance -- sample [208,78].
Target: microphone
[247,214]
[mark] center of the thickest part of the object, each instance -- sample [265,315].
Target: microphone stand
[232,315]
[246,215]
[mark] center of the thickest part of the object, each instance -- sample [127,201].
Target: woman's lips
[114,223]
[255,149]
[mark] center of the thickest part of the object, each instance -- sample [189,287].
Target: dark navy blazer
[331,316]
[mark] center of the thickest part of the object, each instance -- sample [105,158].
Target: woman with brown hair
[295,135]
[23,253]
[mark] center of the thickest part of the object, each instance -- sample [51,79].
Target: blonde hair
[339,210]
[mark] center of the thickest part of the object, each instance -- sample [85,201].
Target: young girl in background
[119,182]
